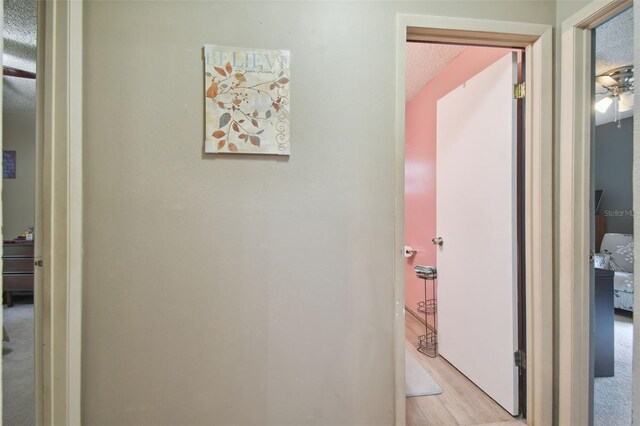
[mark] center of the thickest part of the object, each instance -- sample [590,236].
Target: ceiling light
[603,104]
[619,85]
[626,102]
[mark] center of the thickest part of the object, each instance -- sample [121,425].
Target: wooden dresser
[17,273]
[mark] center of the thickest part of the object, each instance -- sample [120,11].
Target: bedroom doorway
[466,94]
[536,42]
[19,211]
[612,285]
[58,210]
[587,324]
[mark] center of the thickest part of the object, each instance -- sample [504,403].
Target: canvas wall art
[9,164]
[246,100]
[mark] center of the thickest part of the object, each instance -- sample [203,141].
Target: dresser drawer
[18,264]
[18,249]
[17,282]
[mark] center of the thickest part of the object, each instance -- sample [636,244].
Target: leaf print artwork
[246,100]
[212,92]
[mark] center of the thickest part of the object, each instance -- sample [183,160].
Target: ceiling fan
[15,72]
[619,88]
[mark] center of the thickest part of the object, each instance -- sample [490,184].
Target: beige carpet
[18,394]
[612,395]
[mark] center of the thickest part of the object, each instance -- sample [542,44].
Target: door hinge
[520,359]
[38,263]
[519,91]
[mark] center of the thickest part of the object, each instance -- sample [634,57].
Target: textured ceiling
[614,48]
[19,52]
[614,42]
[425,61]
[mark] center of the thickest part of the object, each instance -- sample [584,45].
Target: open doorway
[536,40]
[583,314]
[612,170]
[58,205]
[18,202]
[463,198]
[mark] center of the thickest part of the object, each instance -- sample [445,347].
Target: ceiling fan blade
[15,72]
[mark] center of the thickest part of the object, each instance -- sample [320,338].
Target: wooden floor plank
[434,412]
[414,414]
[465,403]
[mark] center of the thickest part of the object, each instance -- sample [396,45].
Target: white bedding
[623,290]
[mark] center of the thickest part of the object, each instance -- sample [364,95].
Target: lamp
[619,86]
[603,104]
[626,102]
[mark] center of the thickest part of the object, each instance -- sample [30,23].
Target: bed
[616,254]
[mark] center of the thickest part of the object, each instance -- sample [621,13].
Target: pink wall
[420,161]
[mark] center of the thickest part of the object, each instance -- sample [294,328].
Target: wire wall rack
[428,342]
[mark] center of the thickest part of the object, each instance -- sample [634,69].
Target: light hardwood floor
[460,403]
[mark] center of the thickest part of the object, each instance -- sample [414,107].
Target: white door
[477,221]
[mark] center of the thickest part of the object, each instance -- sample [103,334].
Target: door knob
[437,241]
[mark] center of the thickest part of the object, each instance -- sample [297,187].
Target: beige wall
[566,8]
[243,290]
[18,195]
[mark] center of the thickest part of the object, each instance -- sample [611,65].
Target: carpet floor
[612,395]
[17,365]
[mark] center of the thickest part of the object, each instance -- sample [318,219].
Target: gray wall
[613,174]
[18,195]
[236,289]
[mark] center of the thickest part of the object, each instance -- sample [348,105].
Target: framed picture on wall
[8,164]
[246,94]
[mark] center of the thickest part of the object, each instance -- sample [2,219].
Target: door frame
[1,189]
[58,279]
[537,41]
[575,193]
